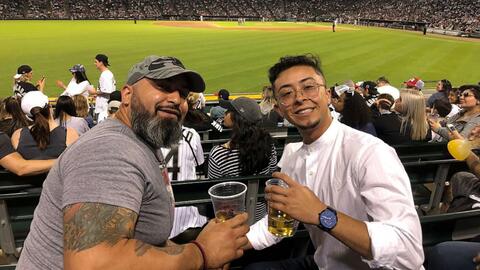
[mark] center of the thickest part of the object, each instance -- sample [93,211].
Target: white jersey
[181,165]
[106,85]
[74,88]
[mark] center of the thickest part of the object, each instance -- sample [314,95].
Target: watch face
[328,219]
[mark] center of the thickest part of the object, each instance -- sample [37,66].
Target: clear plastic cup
[228,199]
[279,223]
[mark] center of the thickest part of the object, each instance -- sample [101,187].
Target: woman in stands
[250,149]
[81,107]
[466,119]
[411,107]
[45,139]
[354,111]
[13,118]
[78,85]
[443,90]
[65,115]
[197,119]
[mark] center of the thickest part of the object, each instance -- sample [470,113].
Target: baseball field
[232,56]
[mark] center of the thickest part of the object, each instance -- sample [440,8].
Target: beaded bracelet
[204,256]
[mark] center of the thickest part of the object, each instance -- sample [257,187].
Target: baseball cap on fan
[23,69]
[77,68]
[164,67]
[33,99]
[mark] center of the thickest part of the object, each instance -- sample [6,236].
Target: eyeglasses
[287,95]
[466,94]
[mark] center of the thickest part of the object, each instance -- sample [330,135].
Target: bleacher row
[428,166]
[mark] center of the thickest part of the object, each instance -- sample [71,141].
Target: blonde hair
[81,105]
[268,100]
[413,112]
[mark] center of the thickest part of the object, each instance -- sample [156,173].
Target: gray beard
[153,130]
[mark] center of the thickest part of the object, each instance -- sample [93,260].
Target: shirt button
[310,173]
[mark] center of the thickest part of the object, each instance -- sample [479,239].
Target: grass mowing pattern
[237,60]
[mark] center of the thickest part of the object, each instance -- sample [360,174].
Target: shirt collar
[326,138]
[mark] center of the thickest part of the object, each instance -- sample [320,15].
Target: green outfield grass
[233,59]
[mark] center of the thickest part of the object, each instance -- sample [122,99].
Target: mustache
[169,109]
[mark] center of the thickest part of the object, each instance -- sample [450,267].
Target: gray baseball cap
[247,108]
[164,67]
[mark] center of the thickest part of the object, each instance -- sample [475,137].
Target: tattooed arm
[99,236]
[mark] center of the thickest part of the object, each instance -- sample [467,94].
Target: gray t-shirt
[109,165]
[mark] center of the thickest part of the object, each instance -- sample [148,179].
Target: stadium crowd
[330,120]
[459,15]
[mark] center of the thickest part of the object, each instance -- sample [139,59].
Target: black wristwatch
[327,219]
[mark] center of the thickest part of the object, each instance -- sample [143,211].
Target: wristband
[204,257]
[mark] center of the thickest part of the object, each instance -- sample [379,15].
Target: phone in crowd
[451,127]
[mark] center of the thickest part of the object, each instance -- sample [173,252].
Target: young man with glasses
[347,187]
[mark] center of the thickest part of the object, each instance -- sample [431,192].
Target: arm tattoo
[86,225]
[142,248]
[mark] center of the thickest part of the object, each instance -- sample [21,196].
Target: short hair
[383,79]
[287,62]
[443,106]
[385,101]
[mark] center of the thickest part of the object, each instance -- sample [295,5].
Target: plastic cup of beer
[279,223]
[228,199]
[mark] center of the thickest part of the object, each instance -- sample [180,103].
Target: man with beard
[107,203]
[347,187]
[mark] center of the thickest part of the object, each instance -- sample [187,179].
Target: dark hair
[442,106]
[80,76]
[102,58]
[223,94]
[356,112]
[65,105]
[472,87]
[292,61]
[41,129]
[446,86]
[19,120]
[371,87]
[254,145]
[384,105]
[383,79]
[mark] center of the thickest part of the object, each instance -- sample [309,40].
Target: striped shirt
[224,162]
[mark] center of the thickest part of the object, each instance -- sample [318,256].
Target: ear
[127,92]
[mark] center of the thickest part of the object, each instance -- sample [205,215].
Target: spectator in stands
[218,112]
[411,107]
[387,123]
[467,118]
[106,85]
[108,186]
[353,110]
[114,103]
[270,117]
[384,87]
[78,85]
[444,87]
[22,81]
[463,195]
[250,149]
[44,139]
[414,83]
[82,109]
[14,118]
[454,96]
[356,219]
[14,162]
[369,92]
[444,109]
[198,119]
[65,115]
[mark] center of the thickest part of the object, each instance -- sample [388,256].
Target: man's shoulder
[107,74]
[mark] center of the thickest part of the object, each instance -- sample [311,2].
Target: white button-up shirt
[360,176]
